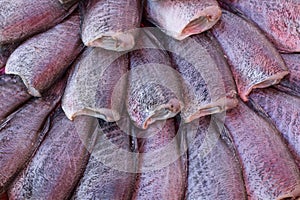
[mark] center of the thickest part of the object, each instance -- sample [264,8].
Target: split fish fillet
[111,24]
[58,164]
[284,112]
[181,19]
[95,79]
[13,94]
[269,170]
[254,62]
[102,178]
[280,20]
[20,19]
[213,172]
[22,132]
[42,59]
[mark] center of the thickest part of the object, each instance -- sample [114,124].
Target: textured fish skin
[284,112]
[181,19]
[5,51]
[291,83]
[13,93]
[166,183]
[217,174]
[101,181]
[269,170]
[254,62]
[21,19]
[280,20]
[59,162]
[110,24]
[22,132]
[90,89]
[41,60]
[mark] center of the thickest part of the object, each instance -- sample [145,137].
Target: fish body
[280,20]
[13,94]
[269,170]
[21,19]
[181,19]
[57,166]
[111,24]
[253,60]
[284,111]
[5,51]
[42,59]
[22,132]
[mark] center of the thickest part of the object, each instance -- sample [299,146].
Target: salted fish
[5,51]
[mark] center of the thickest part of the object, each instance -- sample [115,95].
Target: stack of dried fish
[150,99]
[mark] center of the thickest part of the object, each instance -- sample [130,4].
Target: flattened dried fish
[5,51]
[22,132]
[181,19]
[284,111]
[155,182]
[90,89]
[254,62]
[269,170]
[58,164]
[42,60]
[101,179]
[214,172]
[111,24]
[280,20]
[291,83]
[13,93]
[20,19]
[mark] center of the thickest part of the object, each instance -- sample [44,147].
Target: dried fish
[181,19]
[269,170]
[42,60]
[254,62]
[58,164]
[111,24]
[21,19]
[280,20]
[5,51]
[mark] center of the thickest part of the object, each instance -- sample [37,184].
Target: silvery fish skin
[269,170]
[181,19]
[22,132]
[284,112]
[13,94]
[92,85]
[214,172]
[158,178]
[57,166]
[42,59]
[254,62]
[280,20]
[21,19]
[101,180]
[291,83]
[5,51]
[111,24]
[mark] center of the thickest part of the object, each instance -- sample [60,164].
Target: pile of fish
[150,99]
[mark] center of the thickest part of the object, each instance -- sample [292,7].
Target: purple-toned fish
[5,51]
[58,164]
[280,20]
[21,19]
[109,173]
[13,94]
[213,169]
[94,82]
[42,59]
[254,62]
[111,24]
[162,170]
[22,132]
[291,83]
[181,19]
[269,169]
[284,112]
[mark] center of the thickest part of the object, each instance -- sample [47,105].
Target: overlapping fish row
[205,106]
